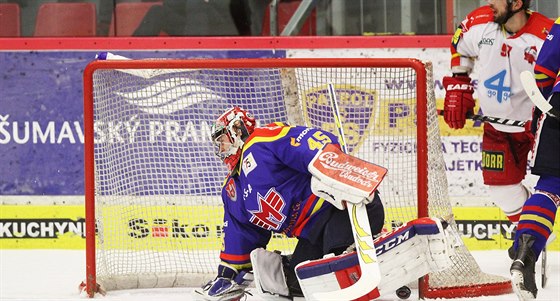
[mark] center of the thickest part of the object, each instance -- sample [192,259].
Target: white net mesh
[157,180]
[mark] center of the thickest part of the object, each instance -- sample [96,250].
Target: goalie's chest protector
[272,189]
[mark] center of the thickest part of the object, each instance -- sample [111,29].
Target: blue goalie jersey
[271,190]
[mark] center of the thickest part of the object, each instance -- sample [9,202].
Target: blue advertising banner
[41,116]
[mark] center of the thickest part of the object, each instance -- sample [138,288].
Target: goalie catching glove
[229,285]
[458,100]
[339,177]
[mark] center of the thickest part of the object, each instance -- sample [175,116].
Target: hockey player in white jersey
[502,39]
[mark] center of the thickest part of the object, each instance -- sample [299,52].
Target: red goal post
[152,180]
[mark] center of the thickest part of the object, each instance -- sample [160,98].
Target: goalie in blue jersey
[539,211]
[272,188]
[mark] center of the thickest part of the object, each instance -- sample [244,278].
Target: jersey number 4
[495,87]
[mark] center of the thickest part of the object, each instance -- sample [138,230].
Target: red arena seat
[128,16]
[10,20]
[66,20]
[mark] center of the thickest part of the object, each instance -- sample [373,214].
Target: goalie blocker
[339,177]
[405,254]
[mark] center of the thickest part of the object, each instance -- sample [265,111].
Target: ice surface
[56,274]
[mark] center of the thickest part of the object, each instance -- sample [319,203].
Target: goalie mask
[229,133]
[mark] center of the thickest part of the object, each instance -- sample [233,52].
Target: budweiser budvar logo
[335,167]
[352,170]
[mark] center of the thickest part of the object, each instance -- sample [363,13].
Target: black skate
[522,269]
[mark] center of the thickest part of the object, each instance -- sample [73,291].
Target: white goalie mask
[229,133]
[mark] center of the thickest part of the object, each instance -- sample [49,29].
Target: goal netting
[153,210]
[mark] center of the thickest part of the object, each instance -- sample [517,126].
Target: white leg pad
[404,255]
[269,273]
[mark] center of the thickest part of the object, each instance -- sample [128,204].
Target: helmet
[229,133]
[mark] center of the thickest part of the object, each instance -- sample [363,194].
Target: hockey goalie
[297,181]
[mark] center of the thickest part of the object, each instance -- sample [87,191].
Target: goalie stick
[530,86]
[361,229]
[491,119]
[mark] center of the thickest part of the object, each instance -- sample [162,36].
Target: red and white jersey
[500,58]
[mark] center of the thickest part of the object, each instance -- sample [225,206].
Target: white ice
[56,274]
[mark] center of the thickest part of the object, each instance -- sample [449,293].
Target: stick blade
[530,87]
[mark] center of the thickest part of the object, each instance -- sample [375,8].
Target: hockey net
[153,209]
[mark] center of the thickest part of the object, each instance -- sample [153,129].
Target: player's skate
[523,269]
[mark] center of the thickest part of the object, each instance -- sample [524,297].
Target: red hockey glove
[458,100]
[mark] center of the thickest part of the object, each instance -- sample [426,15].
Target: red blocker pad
[345,172]
[404,255]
